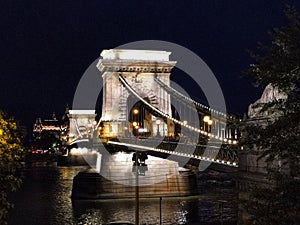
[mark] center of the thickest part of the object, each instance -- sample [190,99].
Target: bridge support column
[117,179]
[132,72]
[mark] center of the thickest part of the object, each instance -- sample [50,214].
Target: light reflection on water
[174,210]
[45,199]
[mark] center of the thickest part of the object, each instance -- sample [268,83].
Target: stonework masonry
[138,68]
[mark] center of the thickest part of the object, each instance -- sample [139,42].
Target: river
[44,199]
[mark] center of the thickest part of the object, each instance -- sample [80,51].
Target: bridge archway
[139,118]
[138,68]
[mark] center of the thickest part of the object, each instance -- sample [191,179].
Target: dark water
[44,198]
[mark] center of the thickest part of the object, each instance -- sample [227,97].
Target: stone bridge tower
[138,68]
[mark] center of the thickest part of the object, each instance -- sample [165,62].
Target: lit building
[51,133]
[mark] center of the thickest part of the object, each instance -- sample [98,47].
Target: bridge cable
[133,92]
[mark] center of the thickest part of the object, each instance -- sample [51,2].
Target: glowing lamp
[206,119]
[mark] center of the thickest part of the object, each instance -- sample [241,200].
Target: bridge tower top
[125,54]
[127,60]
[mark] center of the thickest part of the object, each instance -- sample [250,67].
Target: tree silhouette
[11,152]
[278,136]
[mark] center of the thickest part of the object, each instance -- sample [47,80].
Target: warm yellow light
[1,131]
[75,151]
[134,124]
[137,127]
[209,122]
[135,111]
[206,119]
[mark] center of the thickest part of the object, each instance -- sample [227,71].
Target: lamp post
[136,116]
[208,121]
[137,204]
[139,168]
[157,123]
[134,127]
[126,131]
[135,111]
[160,217]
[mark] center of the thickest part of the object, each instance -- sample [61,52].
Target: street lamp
[157,123]
[135,111]
[139,167]
[126,131]
[206,119]
[134,127]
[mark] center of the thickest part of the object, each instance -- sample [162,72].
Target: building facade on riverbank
[51,133]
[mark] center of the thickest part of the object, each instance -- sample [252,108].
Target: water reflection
[45,199]
[174,210]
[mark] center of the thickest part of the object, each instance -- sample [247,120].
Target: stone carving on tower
[269,94]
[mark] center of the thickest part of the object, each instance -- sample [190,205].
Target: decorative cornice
[135,66]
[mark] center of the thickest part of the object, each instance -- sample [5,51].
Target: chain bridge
[141,111]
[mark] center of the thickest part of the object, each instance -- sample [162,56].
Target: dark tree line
[11,153]
[278,137]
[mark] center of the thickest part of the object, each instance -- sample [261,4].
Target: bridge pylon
[120,114]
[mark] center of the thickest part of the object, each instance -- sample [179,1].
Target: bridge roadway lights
[227,163]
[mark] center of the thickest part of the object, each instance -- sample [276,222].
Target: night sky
[46,46]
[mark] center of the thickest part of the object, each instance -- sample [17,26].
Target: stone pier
[117,179]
